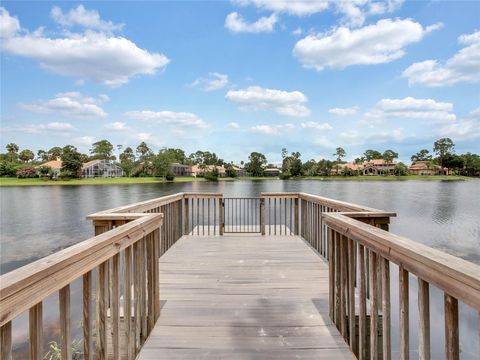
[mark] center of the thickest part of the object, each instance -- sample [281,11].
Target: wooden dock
[244,297]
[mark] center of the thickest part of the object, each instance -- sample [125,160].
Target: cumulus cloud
[233,125]
[272,129]
[49,127]
[168,118]
[80,16]
[9,25]
[467,128]
[92,55]
[69,104]
[316,125]
[379,43]
[464,66]
[353,12]
[236,23]
[83,141]
[411,108]
[343,111]
[214,81]
[282,102]
[117,126]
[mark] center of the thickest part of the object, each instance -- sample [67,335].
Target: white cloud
[411,108]
[83,141]
[464,66]
[353,137]
[316,125]
[80,16]
[168,118]
[69,104]
[49,127]
[214,81]
[379,43]
[117,126]
[272,129]
[464,129]
[236,23]
[282,102]
[142,136]
[297,32]
[95,56]
[9,25]
[343,111]
[354,12]
[325,142]
[233,125]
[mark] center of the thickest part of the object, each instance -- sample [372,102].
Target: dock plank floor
[244,297]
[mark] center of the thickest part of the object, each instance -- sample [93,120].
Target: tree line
[143,161]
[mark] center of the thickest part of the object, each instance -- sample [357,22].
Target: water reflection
[37,221]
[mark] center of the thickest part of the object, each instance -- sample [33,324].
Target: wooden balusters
[424,320]
[452,348]
[87,316]
[404,314]
[351,295]
[386,320]
[102,305]
[373,306]
[127,305]
[114,306]
[6,341]
[64,301]
[362,319]
[35,325]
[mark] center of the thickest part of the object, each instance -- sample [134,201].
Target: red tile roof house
[427,168]
[378,167]
[349,165]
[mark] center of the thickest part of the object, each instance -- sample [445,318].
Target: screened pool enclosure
[101,169]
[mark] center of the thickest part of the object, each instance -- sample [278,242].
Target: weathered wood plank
[424,320]
[404,314]
[35,325]
[65,326]
[452,345]
[6,341]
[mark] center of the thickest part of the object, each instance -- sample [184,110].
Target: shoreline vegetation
[11,181]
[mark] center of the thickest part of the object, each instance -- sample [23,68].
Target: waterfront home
[200,170]
[341,168]
[378,167]
[240,170]
[426,168]
[181,169]
[55,165]
[272,172]
[101,169]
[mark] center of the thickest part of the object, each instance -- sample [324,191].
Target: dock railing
[120,266]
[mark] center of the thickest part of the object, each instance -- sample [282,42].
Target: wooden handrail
[458,277]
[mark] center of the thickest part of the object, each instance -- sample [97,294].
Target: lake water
[37,221]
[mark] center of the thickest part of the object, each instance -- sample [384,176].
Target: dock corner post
[221,206]
[262,215]
[296,216]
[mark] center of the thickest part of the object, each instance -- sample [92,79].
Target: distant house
[199,171]
[378,167]
[273,172]
[338,169]
[101,169]
[55,165]
[240,171]
[181,169]
[426,168]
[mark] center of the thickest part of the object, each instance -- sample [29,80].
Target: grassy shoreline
[5,182]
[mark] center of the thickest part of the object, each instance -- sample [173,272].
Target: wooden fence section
[203,214]
[354,247]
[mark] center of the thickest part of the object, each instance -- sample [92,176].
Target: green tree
[178,155]
[230,171]
[127,161]
[54,153]
[339,154]
[162,163]
[26,155]
[102,150]
[372,154]
[143,151]
[310,168]
[389,155]
[400,169]
[292,164]
[422,155]
[359,160]
[71,161]
[256,164]
[42,155]
[442,147]
[205,157]
[471,164]
[325,167]
[12,150]
[453,162]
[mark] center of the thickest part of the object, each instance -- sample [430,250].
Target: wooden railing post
[220,215]
[296,216]
[36,332]
[452,348]
[64,301]
[262,215]
[6,341]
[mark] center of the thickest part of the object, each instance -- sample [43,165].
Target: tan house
[338,169]
[55,165]
[240,170]
[199,171]
[426,168]
[272,172]
[378,167]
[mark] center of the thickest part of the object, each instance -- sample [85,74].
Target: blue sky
[241,76]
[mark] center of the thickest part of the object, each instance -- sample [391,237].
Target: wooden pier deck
[244,297]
